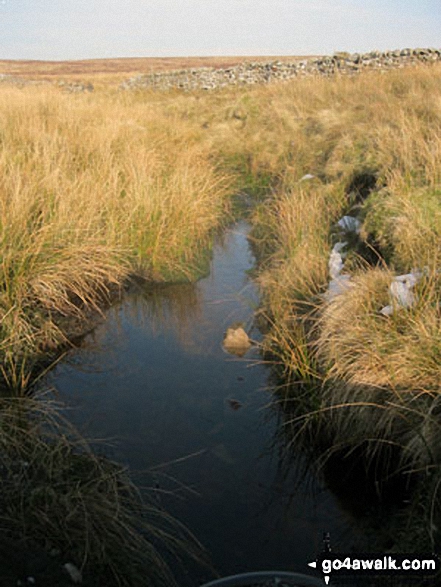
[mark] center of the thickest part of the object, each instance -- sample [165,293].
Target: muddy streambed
[194,421]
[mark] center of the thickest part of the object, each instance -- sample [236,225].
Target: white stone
[401,293]
[338,286]
[306,177]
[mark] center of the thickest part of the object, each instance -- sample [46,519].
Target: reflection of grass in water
[162,308]
[167,307]
[54,492]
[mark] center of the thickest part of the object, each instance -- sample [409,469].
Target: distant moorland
[118,69]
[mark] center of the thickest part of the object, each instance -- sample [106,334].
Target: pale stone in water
[222,453]
[236,341]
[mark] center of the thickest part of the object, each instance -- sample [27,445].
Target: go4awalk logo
[358,565]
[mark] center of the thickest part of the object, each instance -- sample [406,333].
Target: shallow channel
[155,380]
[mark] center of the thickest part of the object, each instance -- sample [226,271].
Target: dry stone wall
[265,72]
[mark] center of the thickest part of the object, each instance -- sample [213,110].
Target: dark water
[155,380]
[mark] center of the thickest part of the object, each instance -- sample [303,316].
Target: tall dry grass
[58,494]
[100,186]
[93,190]
[373,144]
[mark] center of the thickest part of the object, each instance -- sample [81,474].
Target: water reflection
[193,420]
[166,307]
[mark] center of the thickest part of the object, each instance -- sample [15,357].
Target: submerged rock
[223,454]
[235,404]
[236,341]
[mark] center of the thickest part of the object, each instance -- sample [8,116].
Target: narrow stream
[155,380]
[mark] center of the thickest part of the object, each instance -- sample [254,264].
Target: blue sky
[83,29]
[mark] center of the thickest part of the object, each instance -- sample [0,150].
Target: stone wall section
[249,73]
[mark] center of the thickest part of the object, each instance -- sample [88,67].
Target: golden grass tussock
[361,346]
[93,190]
[292,232]
[406,223]
[373,145]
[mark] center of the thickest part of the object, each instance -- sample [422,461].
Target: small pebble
[235,404]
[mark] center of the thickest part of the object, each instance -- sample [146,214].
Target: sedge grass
[378,127]
[93,191]
[56,493]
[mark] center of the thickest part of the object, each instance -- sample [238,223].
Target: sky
[87,29]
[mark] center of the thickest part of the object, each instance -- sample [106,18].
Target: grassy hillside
[100,186]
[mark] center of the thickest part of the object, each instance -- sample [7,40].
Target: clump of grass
[291,236]
[353,129]
[93,191]
[406,223]
[361,346]
[59,495]
[293,230]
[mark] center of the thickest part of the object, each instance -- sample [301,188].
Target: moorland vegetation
[99,188]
